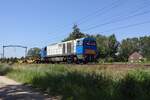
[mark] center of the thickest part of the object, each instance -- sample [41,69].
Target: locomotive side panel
[56,49]
[62,49]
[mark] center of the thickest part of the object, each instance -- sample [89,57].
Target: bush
[110,59]
[4,69]
[101,61]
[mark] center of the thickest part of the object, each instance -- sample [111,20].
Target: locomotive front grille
[89,51]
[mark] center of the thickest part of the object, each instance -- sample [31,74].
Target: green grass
[85,83]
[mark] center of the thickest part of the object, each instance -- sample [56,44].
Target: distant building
[135,57]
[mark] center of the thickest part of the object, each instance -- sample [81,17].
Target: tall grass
[85,83]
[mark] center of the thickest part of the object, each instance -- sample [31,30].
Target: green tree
[145,46]
[127,47]
[102,45]
[75,34]
[33,52]
[112,46]
[107,46]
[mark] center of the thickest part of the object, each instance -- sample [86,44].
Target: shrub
[4,69]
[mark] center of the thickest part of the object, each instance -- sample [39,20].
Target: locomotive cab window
[79,42]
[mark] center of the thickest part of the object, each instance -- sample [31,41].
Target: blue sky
[36,23]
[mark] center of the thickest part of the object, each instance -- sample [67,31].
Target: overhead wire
[117,20]
[127,26]
[94,14]
[114,18]
[97,12]
[128,17]
[108,8]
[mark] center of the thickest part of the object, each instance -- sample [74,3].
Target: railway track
[112,65]
[122,64]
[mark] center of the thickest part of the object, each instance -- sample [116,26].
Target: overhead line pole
[14,46]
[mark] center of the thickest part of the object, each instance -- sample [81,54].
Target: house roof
[135,55]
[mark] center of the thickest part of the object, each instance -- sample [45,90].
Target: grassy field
[85,82]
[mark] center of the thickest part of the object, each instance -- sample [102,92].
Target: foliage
[127,47]
[33,52]
[75,34]
[145,46]
[130,45]
[9,60]
[4,69]
[107,47]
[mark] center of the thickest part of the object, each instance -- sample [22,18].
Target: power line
[127,26]
[120,16]
[97,12]
[117,20]
[112,6]
[114,21]
[83,19]
[117,6]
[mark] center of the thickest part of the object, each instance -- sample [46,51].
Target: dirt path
[11,90]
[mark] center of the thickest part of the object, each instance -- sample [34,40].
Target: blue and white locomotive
[73,51]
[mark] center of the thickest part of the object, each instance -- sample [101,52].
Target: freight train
[81,50]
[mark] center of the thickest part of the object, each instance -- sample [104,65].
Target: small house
[135,57]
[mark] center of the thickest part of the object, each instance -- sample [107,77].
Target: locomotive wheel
[70,59]
[85,62]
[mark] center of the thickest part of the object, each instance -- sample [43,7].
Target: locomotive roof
[85,38]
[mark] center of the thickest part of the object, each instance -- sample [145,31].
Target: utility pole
[25,51]
[3,52]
